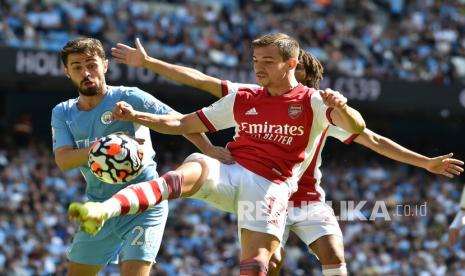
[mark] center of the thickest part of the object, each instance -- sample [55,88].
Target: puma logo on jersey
[251,111]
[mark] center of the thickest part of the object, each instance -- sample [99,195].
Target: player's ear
[105,66]
[292,63]
[65,70]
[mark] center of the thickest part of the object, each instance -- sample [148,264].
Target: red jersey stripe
[328,115]
[224,88]
[301,194]
[350,139]
[205,121]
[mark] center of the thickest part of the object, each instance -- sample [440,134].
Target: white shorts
[311,222]
[260,204]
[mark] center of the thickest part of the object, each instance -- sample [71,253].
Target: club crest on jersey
[295,110]
[106,118]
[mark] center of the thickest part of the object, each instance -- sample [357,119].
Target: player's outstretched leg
[137,198]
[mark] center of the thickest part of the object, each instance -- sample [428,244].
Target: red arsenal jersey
[309,188]
[276,136]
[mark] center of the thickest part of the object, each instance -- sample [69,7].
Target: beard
[92,91]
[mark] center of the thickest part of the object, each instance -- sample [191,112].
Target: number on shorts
[149,236]
[140,231]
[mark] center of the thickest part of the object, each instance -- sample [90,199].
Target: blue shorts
[136,237]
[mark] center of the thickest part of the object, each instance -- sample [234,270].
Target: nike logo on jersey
[251,111]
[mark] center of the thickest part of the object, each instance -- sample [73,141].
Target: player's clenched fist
[333,98]
[123,111]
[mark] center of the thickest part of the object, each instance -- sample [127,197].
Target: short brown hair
[88,46]
[288,47]
[313,69]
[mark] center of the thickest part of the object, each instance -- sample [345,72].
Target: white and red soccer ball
[116,159]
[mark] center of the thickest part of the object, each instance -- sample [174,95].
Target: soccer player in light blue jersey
[76,124]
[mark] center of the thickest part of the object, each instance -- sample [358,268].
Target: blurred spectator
[22,130]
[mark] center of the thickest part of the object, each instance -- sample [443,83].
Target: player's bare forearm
[445,164]
[68,158]
[173,123]
[185,75]
[348,118]
[390,149]
[200,140]
[167,124]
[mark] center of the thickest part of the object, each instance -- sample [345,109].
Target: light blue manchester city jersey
[70,126]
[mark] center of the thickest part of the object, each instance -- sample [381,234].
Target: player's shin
[139,197]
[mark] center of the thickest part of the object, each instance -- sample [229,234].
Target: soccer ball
[116,159]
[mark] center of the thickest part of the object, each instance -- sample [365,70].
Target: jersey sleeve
[228,87]
[145,102]
[219,115]
[341,134]
[321,112]
[61,135]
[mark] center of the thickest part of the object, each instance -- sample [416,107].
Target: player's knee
[276,262]
[194,157]
[195,170]
[335,269]
[332,259]
[332,254]
[336,257]
[201,162]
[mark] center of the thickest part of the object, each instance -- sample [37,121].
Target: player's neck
[282,88]
[86,103]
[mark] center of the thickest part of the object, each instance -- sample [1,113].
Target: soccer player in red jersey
[322,235]
[278,127]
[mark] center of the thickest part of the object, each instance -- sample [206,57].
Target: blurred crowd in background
[389,39]
[200,240]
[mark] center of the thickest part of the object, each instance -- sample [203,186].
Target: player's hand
[123,112]
[128,55]
[333,98]
[220,153]
[445,165]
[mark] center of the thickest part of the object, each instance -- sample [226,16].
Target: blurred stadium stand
[391,39]
[399,62]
